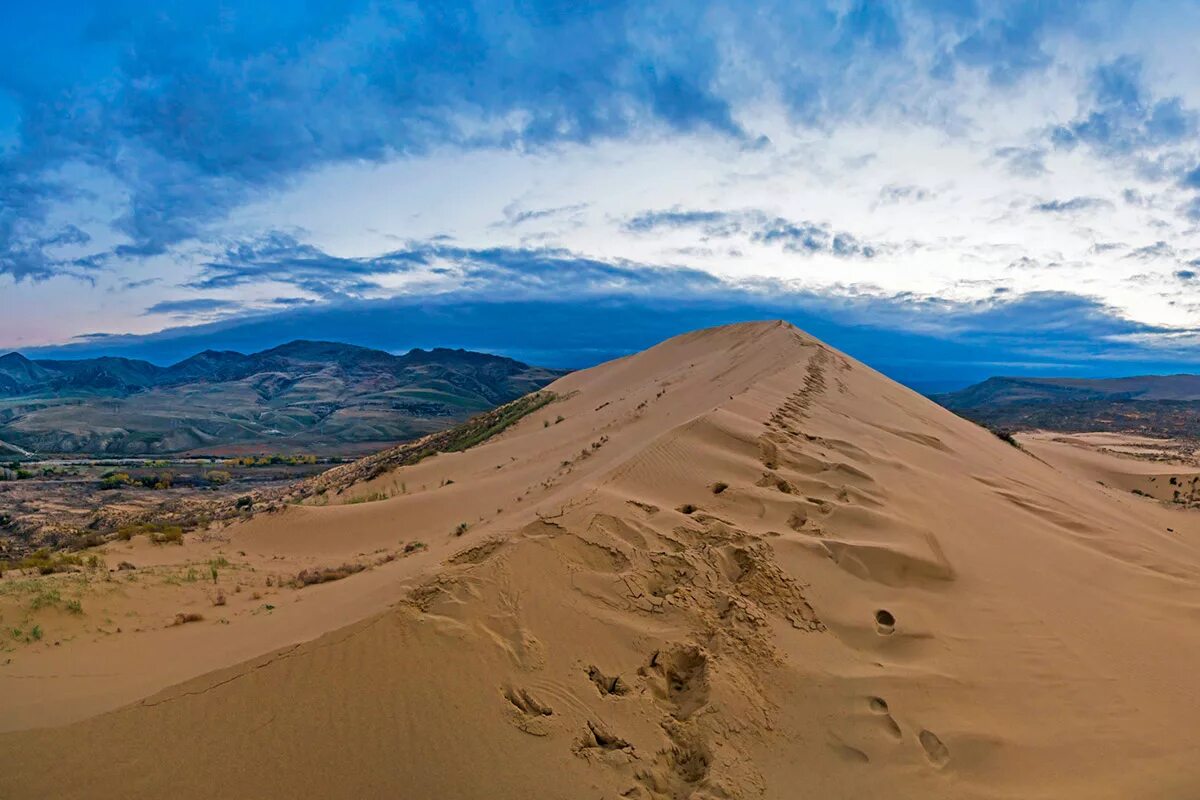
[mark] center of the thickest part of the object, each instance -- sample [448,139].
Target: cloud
[127,285]
[711,223]
[1075,204]
[29,238]
[1159,249]
[1124,118]
[895,193]
[809,237]
[1191,209]
[515,215]
[1008,46]
[435,266]
[279,257]
[794,236]
[193,307]
[1127,124]
[1025,162]
[1191,179]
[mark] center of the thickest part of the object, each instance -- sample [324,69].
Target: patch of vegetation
[45,562]
[46,597]
[479,429]
[1005,435]
[275,459]
[170,534]
[156,532]
[163,480]
[115,480]
[370,497]
[218,477]
[309,577]
[14,474]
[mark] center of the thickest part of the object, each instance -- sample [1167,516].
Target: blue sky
[945,189]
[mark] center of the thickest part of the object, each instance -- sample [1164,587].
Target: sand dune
[736,565]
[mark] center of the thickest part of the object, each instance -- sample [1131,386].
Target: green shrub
[172,534]
[115,480]
[219,477]
[45,562]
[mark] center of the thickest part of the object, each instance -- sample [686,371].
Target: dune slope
[737,565]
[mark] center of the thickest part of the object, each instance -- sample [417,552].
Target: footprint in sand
[937,753]
[528,713]
[879,707]
[885,622]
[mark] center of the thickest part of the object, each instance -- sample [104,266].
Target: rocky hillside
[299,396]
[1159,405]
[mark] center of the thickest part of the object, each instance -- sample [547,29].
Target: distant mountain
[19,374]
[301,395]
[1163,405]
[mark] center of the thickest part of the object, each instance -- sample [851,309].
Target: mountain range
[1163,405]
[298,396]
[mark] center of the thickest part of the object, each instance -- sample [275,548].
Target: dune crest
[736,565]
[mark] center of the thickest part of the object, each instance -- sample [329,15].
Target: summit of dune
[738,564]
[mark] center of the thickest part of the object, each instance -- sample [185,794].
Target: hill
[1159,405]
[299,396]
[737,565]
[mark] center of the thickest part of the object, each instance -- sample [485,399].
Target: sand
[736,565]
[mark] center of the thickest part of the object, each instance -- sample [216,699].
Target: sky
[946,190]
